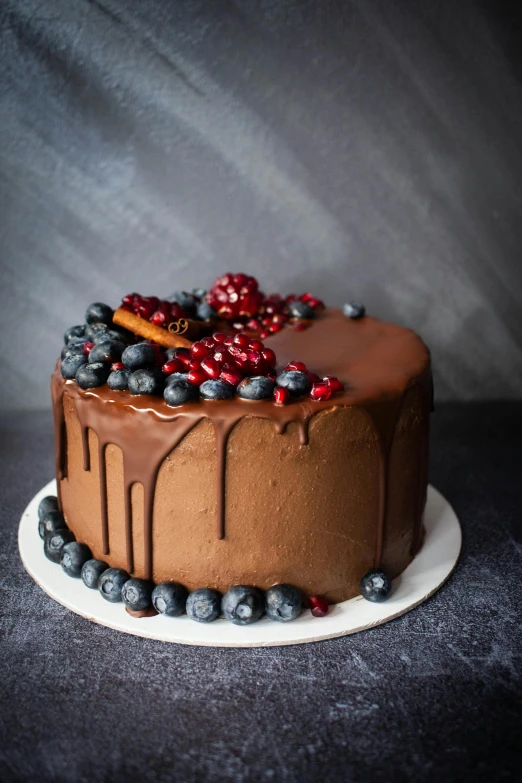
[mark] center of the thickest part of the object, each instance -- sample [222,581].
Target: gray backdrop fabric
[361,149]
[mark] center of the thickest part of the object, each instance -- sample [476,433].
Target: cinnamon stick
[149,331]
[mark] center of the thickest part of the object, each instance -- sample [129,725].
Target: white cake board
[428,571]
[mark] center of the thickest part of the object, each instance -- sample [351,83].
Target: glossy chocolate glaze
[378,362]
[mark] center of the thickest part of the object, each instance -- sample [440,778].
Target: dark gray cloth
[432,696]
[364,150]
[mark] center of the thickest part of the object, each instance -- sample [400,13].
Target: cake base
[427,572]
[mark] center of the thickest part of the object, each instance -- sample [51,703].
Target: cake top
[233,343]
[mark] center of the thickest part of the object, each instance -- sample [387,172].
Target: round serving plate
[427,572]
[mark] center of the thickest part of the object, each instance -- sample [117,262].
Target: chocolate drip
[147,430]
[60,433]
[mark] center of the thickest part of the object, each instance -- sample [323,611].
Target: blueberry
[107,351]
[73,558]
[169,598]
[51,521]
[184,299]
[137,594]
[71,364]
[49,503]
[376,586]
[95,329]
[146,381]
[110,584]
[110,334]
[91,572]
[180,391]
[175,377]
[118,380]
[243,605]
[295,381]
[205,311]
[354,310]
[216,390]
[55,541]
[97,312]
[204,605]
[199,293]
[256,388]
[283,603]
[74,331]
[73,348]
[300,310]
[90,376]
[139,356]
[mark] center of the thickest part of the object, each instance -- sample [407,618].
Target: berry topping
[50,522]
[186,301]
[296,382]
[318,605]
[73,558]
[205,312]
[376,586]
[90,376]
[99,313]
[199,350]
[172,366]
[243,605]
[110,584]
[74,331]
[180,391]
[146,381]
[118,380]
[204,605]
[91,330]
[333,383]
[211,367]
[107,351]
[281,395]
[299,366]
[74,348]
[87,348]
[257,388]
[216,390]
[136,594]
[197,377]
[300,310]
[235,296]
[139,356]
[54,543]
[284,603]
[91,572]
[230,374]
[169,598]
[320,392]
[71,365]
[354,310]
[49,503]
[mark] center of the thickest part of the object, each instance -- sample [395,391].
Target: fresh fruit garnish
[318,605]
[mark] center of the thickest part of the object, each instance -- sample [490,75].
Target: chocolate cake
[291,449]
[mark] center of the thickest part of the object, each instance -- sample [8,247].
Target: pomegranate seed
[199,350]
[145,310]
[300,327]
[229,341]
[222,355]
[129,299]
[275,328]
[313,377]
[234,350]
[290,298]
[318,605]
[231,375]
[279,319]
[176,311]
[281,396]
[316,304]
[173,365]
[218,337]
[256,345]
[184,356]
[211,367]
[269,356]
[242,340]
[158,318]
[254,357]
[299,366]
[264,335]
[306,297]
[253,325]
[320,391]
[197,377]
[334,383]
[266,321]
[209,342]
[117,366]
[87,348]
[194,364]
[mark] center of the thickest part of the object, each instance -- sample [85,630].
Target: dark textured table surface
[432,696]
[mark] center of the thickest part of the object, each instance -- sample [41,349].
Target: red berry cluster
[157,311]
[227,357]
[237,298]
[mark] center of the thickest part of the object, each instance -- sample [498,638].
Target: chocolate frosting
[378,362]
